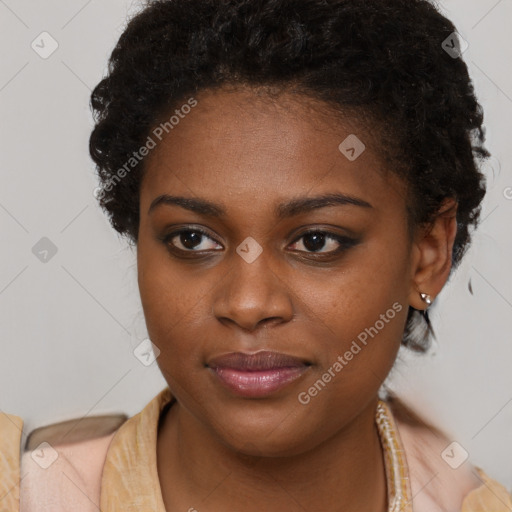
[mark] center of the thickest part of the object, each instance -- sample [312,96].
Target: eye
[190,240]
[196,240]
[314,241]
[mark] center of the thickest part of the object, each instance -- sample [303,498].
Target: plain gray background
[69,325]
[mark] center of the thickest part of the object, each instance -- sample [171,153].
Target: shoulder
[491,495]
[60,466]
[11,428]
[65,460]
[441,476]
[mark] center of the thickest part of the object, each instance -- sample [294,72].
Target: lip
[259,374]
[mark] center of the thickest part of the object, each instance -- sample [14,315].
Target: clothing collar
[129,482]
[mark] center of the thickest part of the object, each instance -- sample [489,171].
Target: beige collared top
[118,472]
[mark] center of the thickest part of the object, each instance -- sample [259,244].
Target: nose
[252,294]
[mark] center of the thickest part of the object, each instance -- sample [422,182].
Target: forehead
[244,144]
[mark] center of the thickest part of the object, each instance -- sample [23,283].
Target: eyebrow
[284,210]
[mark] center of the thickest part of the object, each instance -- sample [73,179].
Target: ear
[432,255]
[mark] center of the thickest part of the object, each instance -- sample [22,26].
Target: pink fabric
[435,486]
[71,483]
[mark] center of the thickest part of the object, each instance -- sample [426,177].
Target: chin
[273,432]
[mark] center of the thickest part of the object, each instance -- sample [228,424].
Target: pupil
[190,239]
[318,240]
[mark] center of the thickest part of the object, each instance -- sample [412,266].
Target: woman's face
[335,300]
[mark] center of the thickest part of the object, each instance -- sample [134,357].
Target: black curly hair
[386,61]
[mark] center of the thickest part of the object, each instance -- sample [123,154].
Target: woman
[299,178]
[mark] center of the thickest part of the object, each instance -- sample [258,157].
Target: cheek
[360,316]
[172,305]
[369,283]
[170,319]
[167,293]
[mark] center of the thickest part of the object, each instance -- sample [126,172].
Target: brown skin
[221,452]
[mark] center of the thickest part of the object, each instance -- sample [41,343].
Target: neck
[198,472]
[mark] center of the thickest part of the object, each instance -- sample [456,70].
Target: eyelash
[344,241]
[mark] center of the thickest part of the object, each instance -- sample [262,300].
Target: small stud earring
[427,299]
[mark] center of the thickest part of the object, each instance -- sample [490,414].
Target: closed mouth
[259,361]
